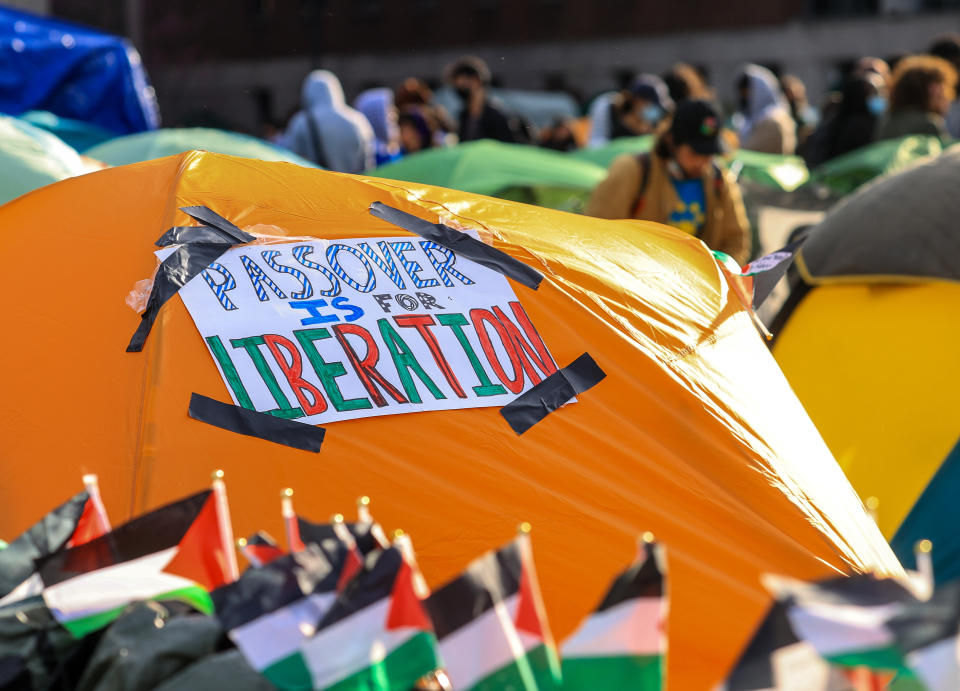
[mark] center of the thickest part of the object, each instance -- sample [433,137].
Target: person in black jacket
[852,122]
[480,118]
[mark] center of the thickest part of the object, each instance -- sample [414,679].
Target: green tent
[784,173]
[844,174]
[144,146]
[31,157]
[508,171]
[604,155]
[78,134]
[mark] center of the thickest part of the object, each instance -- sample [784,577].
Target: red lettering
[422,323]
[545,362]
[293,372]
[366,367]
[524,351]
[478,317]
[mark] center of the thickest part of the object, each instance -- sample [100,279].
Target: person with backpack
[680,184]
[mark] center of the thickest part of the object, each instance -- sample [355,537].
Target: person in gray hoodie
[764,122]
[327,130]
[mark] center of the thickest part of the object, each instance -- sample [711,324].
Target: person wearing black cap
[480,118]
[680,184]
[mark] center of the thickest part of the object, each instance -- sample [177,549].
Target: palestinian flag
[777,660]
[490,623]
[927,633]
[846,619]
[360,539]
[271,610]
[377,635]
[260,549]
[622,645]
[175,552]
[76,521]
[368,536]
[758,278]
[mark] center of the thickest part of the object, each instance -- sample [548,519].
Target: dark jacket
[901,123]
[493,123]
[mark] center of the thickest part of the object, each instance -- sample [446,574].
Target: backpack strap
[718,180]
[643,160]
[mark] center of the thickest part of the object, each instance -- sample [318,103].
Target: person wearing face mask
[641,109]
[680,184]
[480,118]
[853,120]
[630,113]
[921,89]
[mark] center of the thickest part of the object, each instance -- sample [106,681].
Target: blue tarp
[74,72]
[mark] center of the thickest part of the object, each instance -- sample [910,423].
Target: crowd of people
[678,182]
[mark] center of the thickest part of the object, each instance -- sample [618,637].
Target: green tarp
[31,157]
[78,134]
[144,146]
[785,173]
[509,171]
[844,174]
[604,155]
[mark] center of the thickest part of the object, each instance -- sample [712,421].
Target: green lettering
[404,361]
[456,322]
[252,345]
[229,371]
[328,371]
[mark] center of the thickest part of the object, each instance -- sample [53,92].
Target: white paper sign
[321,331]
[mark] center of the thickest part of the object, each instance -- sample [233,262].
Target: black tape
[199,247]
[531,407]
[184,235]
[211,218]
[174,273]
[251,423]
[461,244]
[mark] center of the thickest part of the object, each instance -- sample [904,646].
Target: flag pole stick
[923,552]
[226,529]
[363,510]
[294,543]
[92,485]
[403,542]
[342,532]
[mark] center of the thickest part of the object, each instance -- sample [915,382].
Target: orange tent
[694,434]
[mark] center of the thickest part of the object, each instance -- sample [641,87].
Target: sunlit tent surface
[871,350]
[509,171]
[693,434]
[31,158]
[144,146]
[73,71]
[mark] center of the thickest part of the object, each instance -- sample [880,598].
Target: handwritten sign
[322,331]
